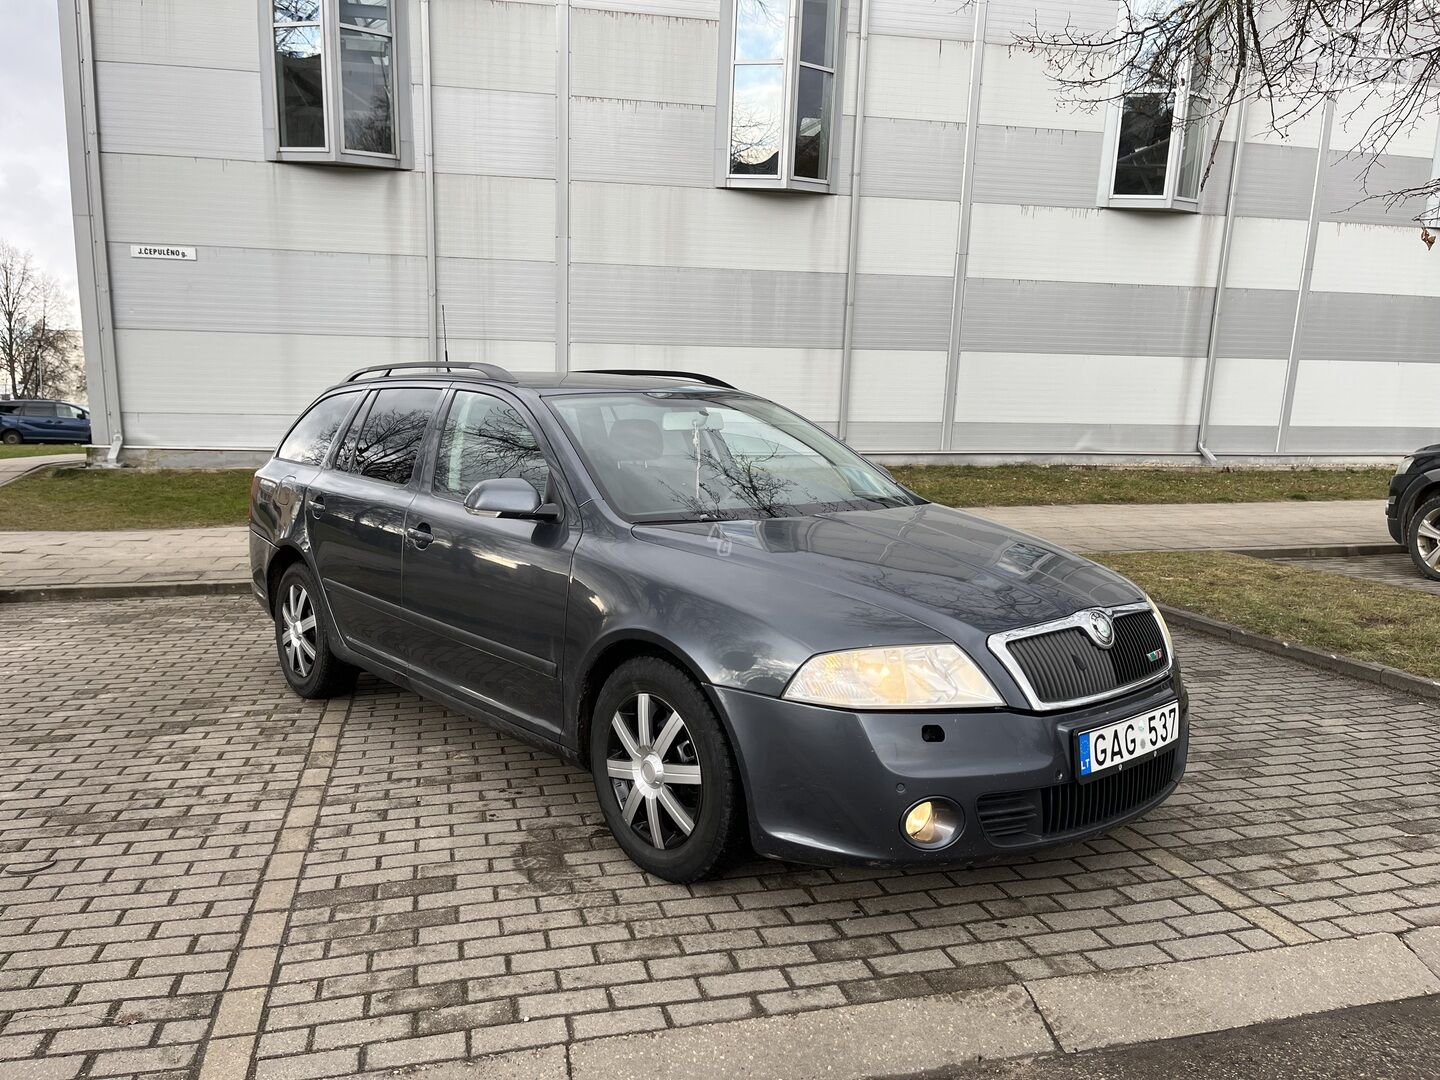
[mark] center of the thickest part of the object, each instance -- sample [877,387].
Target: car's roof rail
[708,380]
[490,371]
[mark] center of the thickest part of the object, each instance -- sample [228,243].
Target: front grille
[1027,817]
[1081,806]
[1065,665]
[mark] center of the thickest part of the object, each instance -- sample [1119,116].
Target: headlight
[1404,466]
[894,677]
[1164,627]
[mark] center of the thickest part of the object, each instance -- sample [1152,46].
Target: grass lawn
[126,499]
[1367,620]
[39,449]
[1054,485]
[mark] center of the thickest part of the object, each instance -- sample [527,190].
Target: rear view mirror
[509,497]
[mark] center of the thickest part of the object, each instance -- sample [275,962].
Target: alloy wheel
[654,771]
[299,636]
[1427,539]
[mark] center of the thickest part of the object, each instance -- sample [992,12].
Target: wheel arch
[286,556]
[607,656]
[1420,492]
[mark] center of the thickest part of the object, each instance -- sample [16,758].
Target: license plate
[1104,748]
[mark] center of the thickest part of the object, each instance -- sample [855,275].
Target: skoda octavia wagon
[739,626]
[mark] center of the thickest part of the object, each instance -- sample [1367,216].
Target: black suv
[1413,511]
[737,624]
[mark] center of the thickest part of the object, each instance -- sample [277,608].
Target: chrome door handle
[420,535]
[317,505]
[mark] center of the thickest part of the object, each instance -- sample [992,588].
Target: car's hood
[950,570]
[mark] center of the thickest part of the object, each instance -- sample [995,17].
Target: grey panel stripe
[1074,438]
[687,306]
[877,435]
[1358,440]
[1037,167]
[297,292]
[1347,194]
[1275,181]
[1241,438]
[1257,324]
[1084,317]
[902,312]
[1364,326]
[491,298]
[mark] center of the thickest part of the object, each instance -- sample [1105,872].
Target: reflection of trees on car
[500,444]
[386,446]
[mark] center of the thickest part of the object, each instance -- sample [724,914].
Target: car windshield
[694,455]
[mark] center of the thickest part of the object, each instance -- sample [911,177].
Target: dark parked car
[24,420]
[1413,512]
[737,624]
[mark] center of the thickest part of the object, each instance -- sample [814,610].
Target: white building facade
[873,211]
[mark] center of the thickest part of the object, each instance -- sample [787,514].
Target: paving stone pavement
[129,557]
[1394,569]
[123,556]
[197,866]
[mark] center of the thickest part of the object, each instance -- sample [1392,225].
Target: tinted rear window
[309,440]
[389,439]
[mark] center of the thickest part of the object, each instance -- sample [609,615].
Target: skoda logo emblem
[1101,628]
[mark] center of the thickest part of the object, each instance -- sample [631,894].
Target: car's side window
[485,438]
[389,439]
[309,440]
[37,409]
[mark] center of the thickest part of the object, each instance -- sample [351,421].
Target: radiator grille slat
[1066,665]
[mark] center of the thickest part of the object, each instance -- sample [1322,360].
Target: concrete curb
[936,1034]
[40,463]
[122,591]
[1388,677]
[1320,551]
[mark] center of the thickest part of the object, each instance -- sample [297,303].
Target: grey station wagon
[737,624]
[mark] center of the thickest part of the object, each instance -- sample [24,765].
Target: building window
[1156,141]
[336,87]
[779,73]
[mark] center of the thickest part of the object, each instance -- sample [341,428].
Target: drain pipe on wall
[847,347]
[432,285]
[1221,275]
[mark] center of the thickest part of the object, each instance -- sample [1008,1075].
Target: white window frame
[1170,199]
[785,180]
[334,151]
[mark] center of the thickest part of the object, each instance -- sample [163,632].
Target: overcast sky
[34,175]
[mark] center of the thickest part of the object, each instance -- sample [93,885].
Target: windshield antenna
[445,337]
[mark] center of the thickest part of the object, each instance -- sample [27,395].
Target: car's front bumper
[831,786]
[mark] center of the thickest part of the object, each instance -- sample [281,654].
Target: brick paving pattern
[124,556]
[459,894]
[1390,569]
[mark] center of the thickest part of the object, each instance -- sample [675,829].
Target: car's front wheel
[1424,539]
[664,773]
[303,641]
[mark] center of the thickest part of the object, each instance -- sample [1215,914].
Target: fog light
[933,823]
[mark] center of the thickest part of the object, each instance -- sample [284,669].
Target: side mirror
[509,497]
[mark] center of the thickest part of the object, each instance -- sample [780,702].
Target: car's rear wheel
[302,639]
[664,773]
[1424,539]
[11,438]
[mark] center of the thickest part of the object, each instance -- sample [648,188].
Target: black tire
[11,438]
[714,805]
[323,675]
[1421,545]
